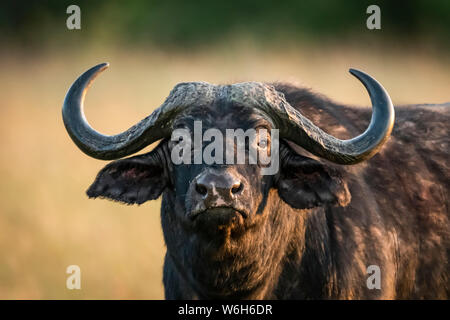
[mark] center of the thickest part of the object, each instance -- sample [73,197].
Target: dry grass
[47,222]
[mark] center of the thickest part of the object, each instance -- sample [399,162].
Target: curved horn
[154,127]
[295,127]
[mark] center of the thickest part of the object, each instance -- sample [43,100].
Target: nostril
[237,188]
[201,189]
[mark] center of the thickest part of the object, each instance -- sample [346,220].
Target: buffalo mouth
[219,216]
[218,211]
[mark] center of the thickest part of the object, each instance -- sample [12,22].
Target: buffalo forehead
[243,104]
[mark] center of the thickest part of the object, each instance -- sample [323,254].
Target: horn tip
[361,75]
[354,71]
[103,65]
[95,71]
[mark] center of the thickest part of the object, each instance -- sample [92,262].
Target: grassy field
[46,220]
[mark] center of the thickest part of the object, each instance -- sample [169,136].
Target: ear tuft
[305,183]
[132,181]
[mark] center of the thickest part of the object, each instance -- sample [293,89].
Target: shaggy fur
[315,227]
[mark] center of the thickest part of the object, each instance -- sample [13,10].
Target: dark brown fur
[399,215]
[317,226]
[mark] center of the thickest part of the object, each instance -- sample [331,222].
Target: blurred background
[46,221]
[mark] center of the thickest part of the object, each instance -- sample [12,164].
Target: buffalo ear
[131,181]
[306,183]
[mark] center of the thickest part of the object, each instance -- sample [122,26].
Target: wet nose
[226,185]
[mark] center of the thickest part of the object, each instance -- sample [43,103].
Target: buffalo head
[223,202]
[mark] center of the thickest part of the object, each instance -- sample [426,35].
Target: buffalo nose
[224,185]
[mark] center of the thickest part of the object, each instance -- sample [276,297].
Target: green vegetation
[189,23]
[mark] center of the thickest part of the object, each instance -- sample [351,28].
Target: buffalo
[329,224]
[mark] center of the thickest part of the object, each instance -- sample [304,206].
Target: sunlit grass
[46,220]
